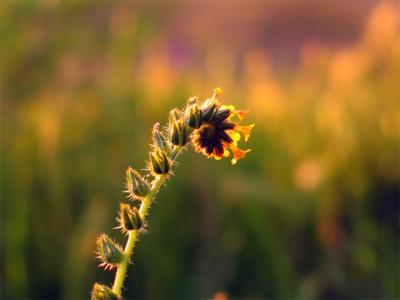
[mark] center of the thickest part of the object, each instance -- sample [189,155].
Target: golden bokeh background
[313,210]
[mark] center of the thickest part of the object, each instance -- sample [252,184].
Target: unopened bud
[129,218]
[179,133]
[159,162]
[175,115]
[159,139]
[103,292]
[108,252]
[193,114]
[137,187]
[177,129]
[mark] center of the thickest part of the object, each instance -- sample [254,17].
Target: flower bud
[179,134]
[129,218]
[159,139]
[174,115]
[136,186]
[108,252]
[103,292]
[159,162]
[177,129]
[193,114]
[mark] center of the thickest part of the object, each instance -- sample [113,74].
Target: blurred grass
[312,212]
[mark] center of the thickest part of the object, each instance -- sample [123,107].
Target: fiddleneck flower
[213,129]
[220,129]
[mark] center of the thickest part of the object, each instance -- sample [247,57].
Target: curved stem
[130,244]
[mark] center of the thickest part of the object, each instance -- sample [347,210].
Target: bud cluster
[138,187]
[165,144]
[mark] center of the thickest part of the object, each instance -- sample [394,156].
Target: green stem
[121,271]
[130,244]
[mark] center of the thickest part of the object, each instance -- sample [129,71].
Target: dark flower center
[211,136]
[207,132]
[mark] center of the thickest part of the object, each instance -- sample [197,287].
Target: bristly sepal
[136,186]
[160,163]
[129,218]
[103,292]
[193,114]
[159,139]
[178,132]
[108,252]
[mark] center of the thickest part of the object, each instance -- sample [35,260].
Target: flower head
[219,132]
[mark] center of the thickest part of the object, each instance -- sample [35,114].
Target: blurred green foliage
[312,212]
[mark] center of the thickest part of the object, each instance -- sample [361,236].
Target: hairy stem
[130,244]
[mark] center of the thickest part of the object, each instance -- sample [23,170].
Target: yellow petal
[234,135]
[245,130]
[237,153]
[241,113]
[230,107]
[226,153]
